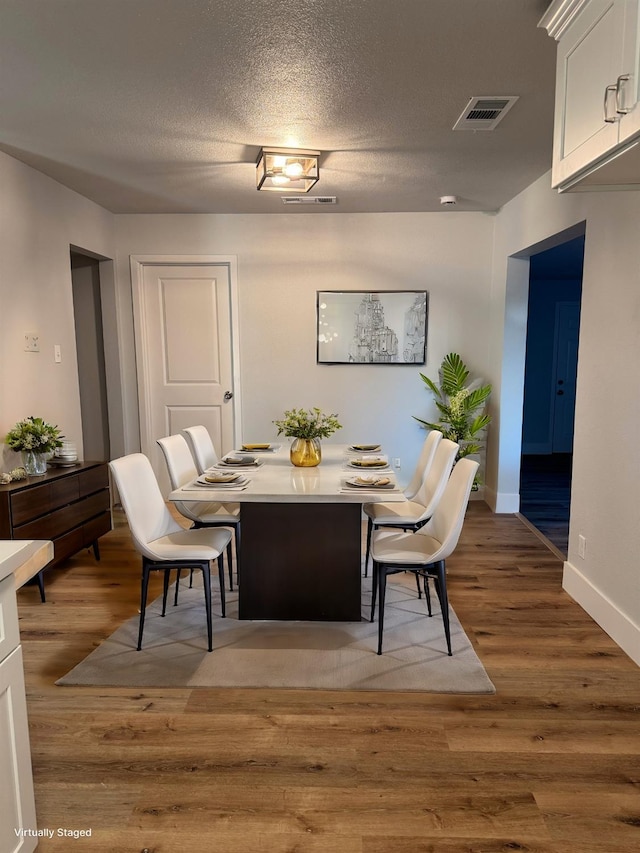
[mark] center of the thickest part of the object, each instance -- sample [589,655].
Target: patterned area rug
[314,655]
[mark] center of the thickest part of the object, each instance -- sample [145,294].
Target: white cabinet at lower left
[18,826]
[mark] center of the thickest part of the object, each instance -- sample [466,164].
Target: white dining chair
[424,552]
[182,470]
[423,464]
[162,542]
[201,446]
[413,514]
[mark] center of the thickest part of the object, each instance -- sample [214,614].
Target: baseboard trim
[500,502]
[558,553]
[622,630]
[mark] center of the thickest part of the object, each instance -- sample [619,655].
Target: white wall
[282,261]
[606,458]
[39,220]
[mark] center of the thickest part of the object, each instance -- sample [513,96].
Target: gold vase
[305,452]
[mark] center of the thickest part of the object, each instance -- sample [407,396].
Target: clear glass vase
[35,464]
[305,452]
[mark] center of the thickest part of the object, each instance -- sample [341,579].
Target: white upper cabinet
[597,117]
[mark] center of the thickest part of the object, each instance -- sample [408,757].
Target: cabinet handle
[620,94]
[612,88]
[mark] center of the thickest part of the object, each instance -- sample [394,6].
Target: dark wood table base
[301,561]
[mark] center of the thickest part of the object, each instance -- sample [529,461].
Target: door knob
[228,395]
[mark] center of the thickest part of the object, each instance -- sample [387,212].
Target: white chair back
[435,480]
[143,504]
[180,463]
[425,461]
[446,522]
[201,447]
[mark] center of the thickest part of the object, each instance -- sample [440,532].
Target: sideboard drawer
[93,480]
[58,522]
[43,499]
[97,527]
[68,544]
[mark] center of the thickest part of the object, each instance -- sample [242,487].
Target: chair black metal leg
[221,579]
[427,594]
[175,597]
[40,582]
[237,537]
[230,566]
[144,585]
[374,587]
[417,577]
[368,548]
[206,580]
[96,550]
[382,588]
[441,588]
[165,589]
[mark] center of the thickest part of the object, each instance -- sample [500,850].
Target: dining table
[300,554]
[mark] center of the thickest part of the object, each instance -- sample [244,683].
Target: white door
[566,359]
[186,352]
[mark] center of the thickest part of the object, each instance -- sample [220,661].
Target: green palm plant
[460,405]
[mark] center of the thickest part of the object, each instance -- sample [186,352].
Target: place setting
[238,460]
[369,482]
[259,447]
[380,463]
[221,480]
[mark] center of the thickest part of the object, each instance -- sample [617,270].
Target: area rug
[313,655]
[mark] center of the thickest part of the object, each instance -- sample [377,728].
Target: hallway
[545,495]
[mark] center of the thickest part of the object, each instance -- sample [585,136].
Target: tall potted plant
[460,403]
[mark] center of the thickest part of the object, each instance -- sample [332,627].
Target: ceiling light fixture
[287,170]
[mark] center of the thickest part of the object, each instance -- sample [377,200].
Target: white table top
[278,481]
[24,557]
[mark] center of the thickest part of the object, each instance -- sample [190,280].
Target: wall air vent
[484,113]
[305,199]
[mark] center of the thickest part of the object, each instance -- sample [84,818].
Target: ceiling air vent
[484,113]
[305,199]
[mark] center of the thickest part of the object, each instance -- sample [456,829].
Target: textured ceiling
[161,106]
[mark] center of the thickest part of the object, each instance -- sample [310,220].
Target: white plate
[368,466]
[239,481]
[353,481]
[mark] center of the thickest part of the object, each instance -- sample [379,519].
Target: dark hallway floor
[545,495]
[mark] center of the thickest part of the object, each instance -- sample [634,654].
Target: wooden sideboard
[70,506]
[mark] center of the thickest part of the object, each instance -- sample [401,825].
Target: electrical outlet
[31,342]
[396,463]
[57,353]
[582,544]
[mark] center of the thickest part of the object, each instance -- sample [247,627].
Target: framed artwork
[372,327]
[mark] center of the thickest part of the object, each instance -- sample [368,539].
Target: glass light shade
[290,170]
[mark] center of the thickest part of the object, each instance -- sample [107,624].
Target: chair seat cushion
[203,543]
[391,546]
[394,513]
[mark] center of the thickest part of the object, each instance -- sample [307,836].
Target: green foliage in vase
[460,405]
[307,423]
[34,434]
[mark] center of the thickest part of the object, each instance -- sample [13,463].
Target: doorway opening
[87,310]
[551,360]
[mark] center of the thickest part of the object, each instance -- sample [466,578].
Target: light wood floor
[550,764]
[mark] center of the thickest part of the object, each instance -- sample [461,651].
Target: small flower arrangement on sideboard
[35,439]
